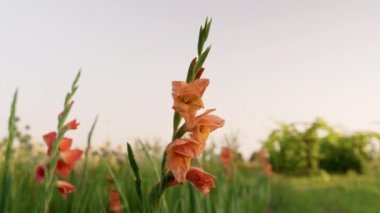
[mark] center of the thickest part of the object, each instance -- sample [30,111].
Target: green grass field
[245,190]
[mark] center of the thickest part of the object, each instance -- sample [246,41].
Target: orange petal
[178,164]
[65,144]
[186,147]
[201,179]
[49,138]
[40,173]
[64,188]
[72,124]
[204,124]
[71,156]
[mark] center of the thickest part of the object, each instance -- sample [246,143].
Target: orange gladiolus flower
[68,156]
[202,180]
[204,124]
[188,98]
[179,155]
[115,201]
[49,138]
[227,155]
[64,188]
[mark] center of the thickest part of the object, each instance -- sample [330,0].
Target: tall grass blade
[89,139]
[6,180]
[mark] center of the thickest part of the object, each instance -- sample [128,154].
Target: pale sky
[284,60]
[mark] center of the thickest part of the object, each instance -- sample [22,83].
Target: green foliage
[349,194]
[318,147]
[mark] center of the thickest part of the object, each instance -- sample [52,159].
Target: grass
[247,190]
[348,193]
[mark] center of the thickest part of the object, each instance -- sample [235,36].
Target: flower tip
[72,124]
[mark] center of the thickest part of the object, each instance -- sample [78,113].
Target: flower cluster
[67,158]
[187,101]
[227,156]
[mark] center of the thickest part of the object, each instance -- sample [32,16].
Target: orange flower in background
[188,98]
[202,180]
[64,188]
[204,124]
[68,156]
[227,156]
[115,201]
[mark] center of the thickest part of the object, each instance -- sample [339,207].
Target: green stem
[158,191]
[8,155]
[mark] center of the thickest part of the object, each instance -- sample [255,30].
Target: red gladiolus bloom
[72,124]
[40,173]
[68,156]
[49,138]
[64,188]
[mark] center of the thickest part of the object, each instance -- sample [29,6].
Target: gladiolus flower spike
[187,98]
[62,158]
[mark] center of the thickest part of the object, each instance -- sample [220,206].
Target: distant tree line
[318,146]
